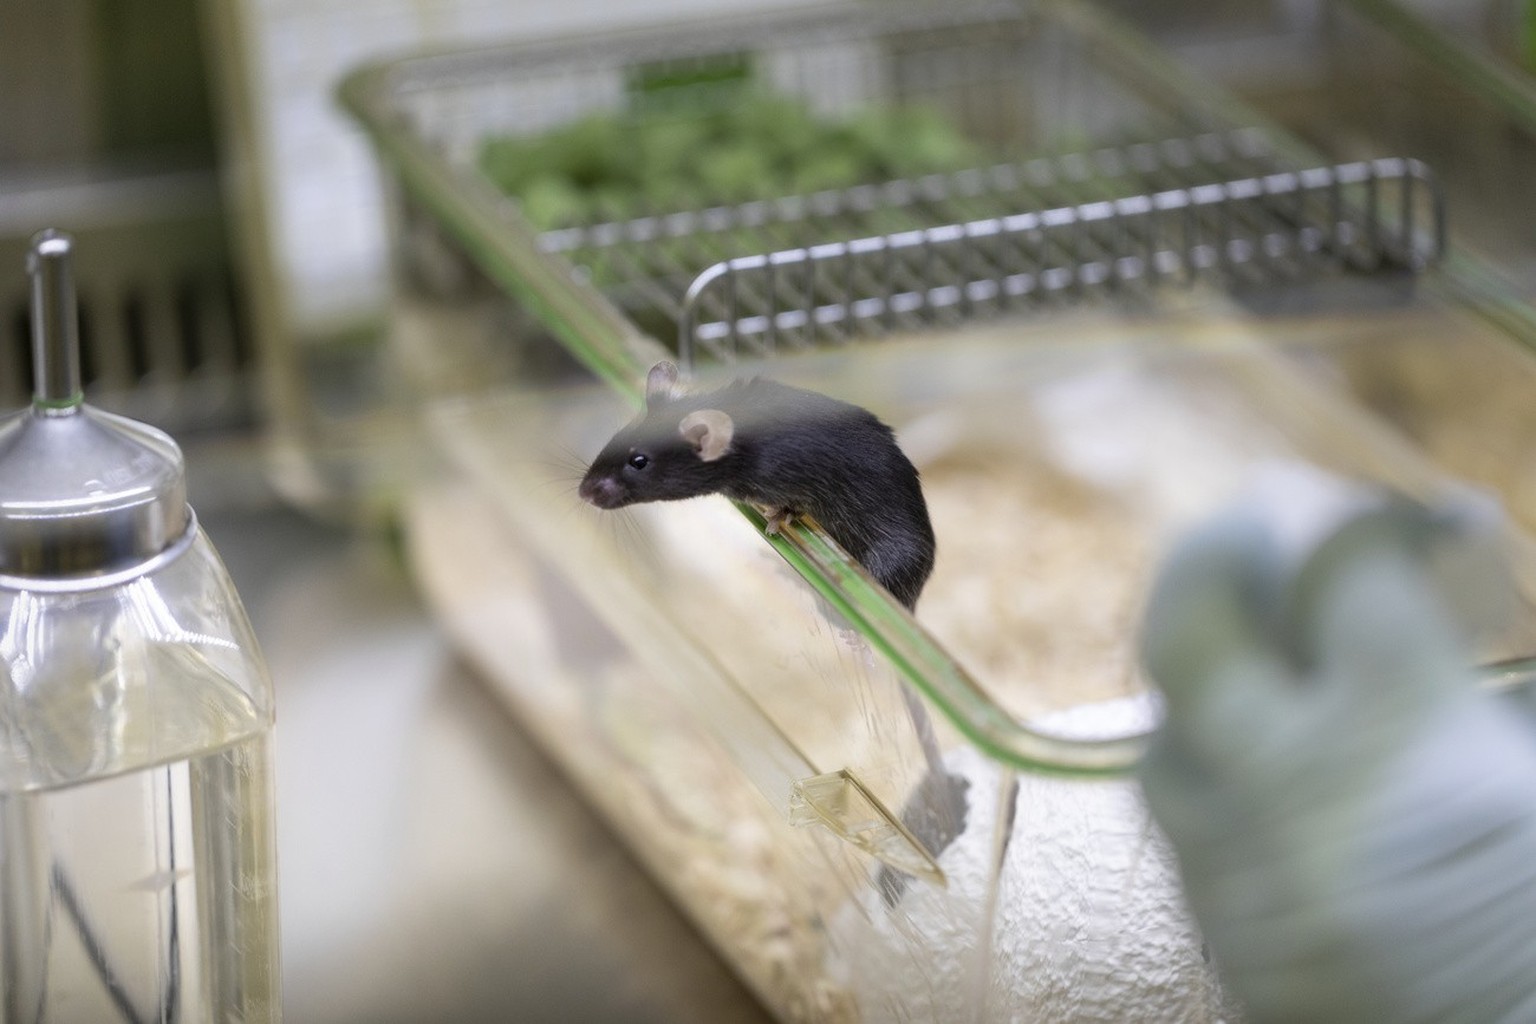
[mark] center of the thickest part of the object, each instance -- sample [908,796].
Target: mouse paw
[778,518]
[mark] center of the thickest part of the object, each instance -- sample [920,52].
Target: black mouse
[790,451]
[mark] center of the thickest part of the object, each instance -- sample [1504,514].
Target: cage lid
[83,493]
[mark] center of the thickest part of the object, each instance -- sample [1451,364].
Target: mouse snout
[601,492]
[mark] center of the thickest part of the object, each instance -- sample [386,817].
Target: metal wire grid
[647,265]
[1268,229]
[1018,80]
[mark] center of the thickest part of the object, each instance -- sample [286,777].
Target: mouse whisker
[561,488]
[636,541]
[635,537]
[566,454]
[560,468]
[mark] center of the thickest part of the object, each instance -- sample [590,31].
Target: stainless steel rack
[1260,230]
[798,271]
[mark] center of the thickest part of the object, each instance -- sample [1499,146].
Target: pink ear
[661,384]
[709,431]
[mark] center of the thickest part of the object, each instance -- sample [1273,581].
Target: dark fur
[791,449]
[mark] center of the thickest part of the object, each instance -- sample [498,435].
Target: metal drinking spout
[55,324]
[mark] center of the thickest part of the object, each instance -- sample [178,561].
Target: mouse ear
[709,431]
[661,384]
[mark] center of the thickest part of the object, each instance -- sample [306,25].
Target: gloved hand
[1355,822]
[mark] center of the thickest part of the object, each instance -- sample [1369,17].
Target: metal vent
[162,334]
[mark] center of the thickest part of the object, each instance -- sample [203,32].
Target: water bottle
[137,879]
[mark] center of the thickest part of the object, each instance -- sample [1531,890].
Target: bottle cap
[84,495]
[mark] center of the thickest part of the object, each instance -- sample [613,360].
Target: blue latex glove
[1355,823]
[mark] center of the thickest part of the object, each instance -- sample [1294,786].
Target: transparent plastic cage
[741,706]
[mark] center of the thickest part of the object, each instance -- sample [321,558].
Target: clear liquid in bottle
[172,919]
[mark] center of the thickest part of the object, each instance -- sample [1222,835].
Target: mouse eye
[639,460]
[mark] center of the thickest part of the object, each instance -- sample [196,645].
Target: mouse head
[676,449]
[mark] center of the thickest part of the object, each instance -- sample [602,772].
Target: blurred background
[281,284]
